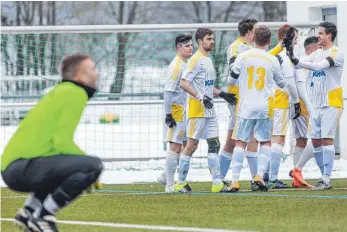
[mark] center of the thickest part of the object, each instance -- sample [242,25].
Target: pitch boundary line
[136,226]
[231,194]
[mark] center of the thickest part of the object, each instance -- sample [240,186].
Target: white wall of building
[302,12]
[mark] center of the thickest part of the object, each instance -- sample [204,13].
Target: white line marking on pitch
[85,195]
[134,226]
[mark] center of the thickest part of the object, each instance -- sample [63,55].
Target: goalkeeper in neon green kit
[42,157]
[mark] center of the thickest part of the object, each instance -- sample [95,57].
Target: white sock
[236,163]
[252,159]
[275,160]
[32,202]
[297,155]
[305,157]
[224,162]
[263,160]
[171,166]
[184,165]
[213,165]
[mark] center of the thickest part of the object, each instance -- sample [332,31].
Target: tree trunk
[53,69]
[120,74]
[19,44]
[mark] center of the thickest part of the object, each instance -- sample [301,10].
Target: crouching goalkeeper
[41,158]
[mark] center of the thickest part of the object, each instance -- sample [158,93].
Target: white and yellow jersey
[174,75]
[236,48]
[257,72]
[324,86]
[201,74]
[282,95]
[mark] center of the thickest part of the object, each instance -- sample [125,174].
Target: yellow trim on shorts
[233,136]
[170,133]
[191,127]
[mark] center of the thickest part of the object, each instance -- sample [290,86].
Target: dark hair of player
[310,40]
[202,32]
[330,28]
[182,39]
[246,25]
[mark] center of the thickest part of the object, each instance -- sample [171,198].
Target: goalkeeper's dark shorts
[45,174]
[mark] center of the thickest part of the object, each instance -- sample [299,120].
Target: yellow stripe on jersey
[177,112]
[195,108]
[192,62]
[234,48]
[303,107]
[192,123]
[276,50]
[271,104]
[334,52]
[281,100]
[335,98]
[176,69]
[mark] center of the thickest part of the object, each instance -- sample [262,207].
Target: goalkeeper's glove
[208,102]
[292,58]
[288,40]
[229,97]
[170,121]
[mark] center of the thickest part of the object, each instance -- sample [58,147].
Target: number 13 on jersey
[260,73]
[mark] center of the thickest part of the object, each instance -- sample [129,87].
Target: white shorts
[176,134]
[262,129]
[300,126]
[202,128]
[280,121]
[323,122]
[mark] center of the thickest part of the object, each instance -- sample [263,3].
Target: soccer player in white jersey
[174,101]
[325,93]
[284,97]
[303,152]
[241,44]
[255,71]
[202,123]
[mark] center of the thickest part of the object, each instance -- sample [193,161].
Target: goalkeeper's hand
[170,121]
[292,58]
[229,97]
[288,40]
[208,102]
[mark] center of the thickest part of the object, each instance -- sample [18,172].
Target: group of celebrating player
[264,90]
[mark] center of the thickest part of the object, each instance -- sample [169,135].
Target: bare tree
[274,11]
[53,66]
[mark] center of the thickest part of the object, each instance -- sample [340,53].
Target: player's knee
[317,142]
[301,142]
[278,139]
[213,145]
[93,165]
[175,147]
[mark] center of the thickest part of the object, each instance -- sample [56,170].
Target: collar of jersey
[202,53]
[89,90]
[242,40]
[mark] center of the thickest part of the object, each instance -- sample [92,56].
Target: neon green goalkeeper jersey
[49,127]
